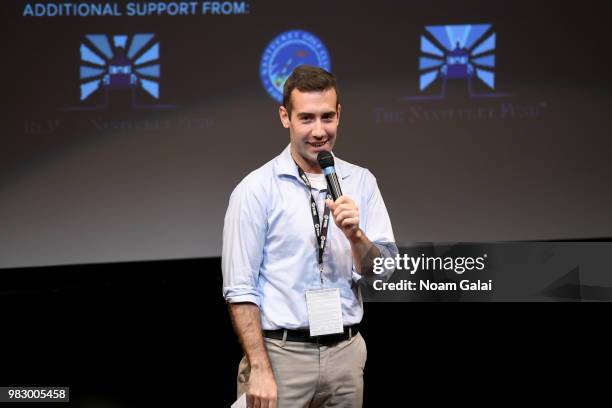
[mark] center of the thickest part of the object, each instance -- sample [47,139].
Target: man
[276,277]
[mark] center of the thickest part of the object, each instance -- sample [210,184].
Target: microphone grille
[325,159]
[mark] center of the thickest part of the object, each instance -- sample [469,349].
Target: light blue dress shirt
[270,247]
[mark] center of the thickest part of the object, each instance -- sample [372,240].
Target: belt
[305,337]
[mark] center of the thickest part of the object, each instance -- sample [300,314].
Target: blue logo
[128,63]
[457,52]
[285,53]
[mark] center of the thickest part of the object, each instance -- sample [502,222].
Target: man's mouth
[318,144]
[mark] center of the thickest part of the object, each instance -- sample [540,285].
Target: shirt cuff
[242,294]
[387,250]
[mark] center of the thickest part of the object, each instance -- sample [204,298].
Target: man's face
[312,127]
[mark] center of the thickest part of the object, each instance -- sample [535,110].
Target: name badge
[324,311]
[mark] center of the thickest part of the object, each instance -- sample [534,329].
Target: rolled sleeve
[243,240]
[387,250]
[378,229]
[241,294]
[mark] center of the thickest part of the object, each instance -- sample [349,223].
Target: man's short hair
[307,78]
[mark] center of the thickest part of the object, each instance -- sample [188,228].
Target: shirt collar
[285,166]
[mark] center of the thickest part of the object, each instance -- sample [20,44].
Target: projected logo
[286,52]
[459,53]
[119,64]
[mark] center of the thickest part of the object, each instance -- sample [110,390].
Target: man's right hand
[261,391]
[261,385]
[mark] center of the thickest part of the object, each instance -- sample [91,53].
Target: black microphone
[326,161]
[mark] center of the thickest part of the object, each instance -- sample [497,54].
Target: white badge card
[324,311]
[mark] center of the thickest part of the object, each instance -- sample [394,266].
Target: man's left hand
[346,216]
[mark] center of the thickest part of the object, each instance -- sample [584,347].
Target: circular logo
[286,52]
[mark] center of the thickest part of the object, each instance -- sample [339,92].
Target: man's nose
[318,129]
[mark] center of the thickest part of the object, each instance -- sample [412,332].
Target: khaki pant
[312,376]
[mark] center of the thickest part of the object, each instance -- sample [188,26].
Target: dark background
[158,334]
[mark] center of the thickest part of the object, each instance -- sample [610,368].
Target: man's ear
[284,117]
[338,114]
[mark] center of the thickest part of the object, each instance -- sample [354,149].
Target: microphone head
[325,159]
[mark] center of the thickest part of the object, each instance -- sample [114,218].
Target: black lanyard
[320,228]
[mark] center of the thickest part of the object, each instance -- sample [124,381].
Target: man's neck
[305,165]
